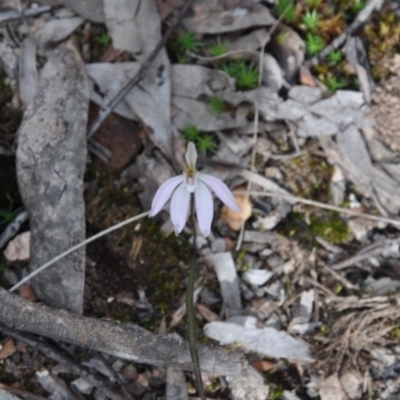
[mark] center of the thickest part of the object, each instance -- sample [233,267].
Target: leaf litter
[315,288]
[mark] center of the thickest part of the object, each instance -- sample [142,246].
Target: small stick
[12,15]
[140,74]
[78,246]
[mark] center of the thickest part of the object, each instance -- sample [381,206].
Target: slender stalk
[190,311]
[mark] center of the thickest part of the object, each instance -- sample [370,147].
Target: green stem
[190,314]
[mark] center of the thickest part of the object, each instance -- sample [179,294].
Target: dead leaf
[306,77]
[213,18]
[263,365]
[27,292]
[119,135]
[18,249]
[8,349]
[236,219]
[206,313]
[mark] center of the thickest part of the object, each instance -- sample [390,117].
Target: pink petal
[191,155]
[204,207]
[221,190]
[180,207]
[163,194]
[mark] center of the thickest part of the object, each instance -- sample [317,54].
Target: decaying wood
[51,159]
[126,342]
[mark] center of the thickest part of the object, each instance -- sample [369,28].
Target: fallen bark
[51,161]
[127,342]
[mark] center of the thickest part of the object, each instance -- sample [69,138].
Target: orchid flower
[179,189]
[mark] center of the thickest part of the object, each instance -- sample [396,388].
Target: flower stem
[190,312]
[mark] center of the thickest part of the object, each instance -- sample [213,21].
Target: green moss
[382,36]
[331,227]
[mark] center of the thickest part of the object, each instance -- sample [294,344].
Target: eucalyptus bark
[124,341]
[51,160]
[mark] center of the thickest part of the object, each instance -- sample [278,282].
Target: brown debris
[8,349]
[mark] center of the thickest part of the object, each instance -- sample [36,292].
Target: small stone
[17,250]
[82,385]
[129,372]
[331,389]
[305,94]
[352,382]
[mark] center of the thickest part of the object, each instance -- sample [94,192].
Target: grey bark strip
[126,342]
[51,159]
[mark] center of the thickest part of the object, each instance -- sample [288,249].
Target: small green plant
[335,84]
[335,56]
[103,39]
[311,19]
[190,133]
[246,75]
[358,5]
[205,143]
[218,48]
[188,41]
[282,36]
[216,105]
[8,215]
[314,44]
[287,9]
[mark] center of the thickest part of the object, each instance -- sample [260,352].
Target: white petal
[191,155]
[180,207]
[163,194]
[221,190]
[204,207]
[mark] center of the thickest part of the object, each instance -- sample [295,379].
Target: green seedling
[190,133]
[335,84]
[358,5]
[218,48]
[8,215]
[310,20]
[286,9]
[314,44]
[103,39]
[282,36]
[206,144]
[188,41]
[216,105]
[246,75]
[335,56]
